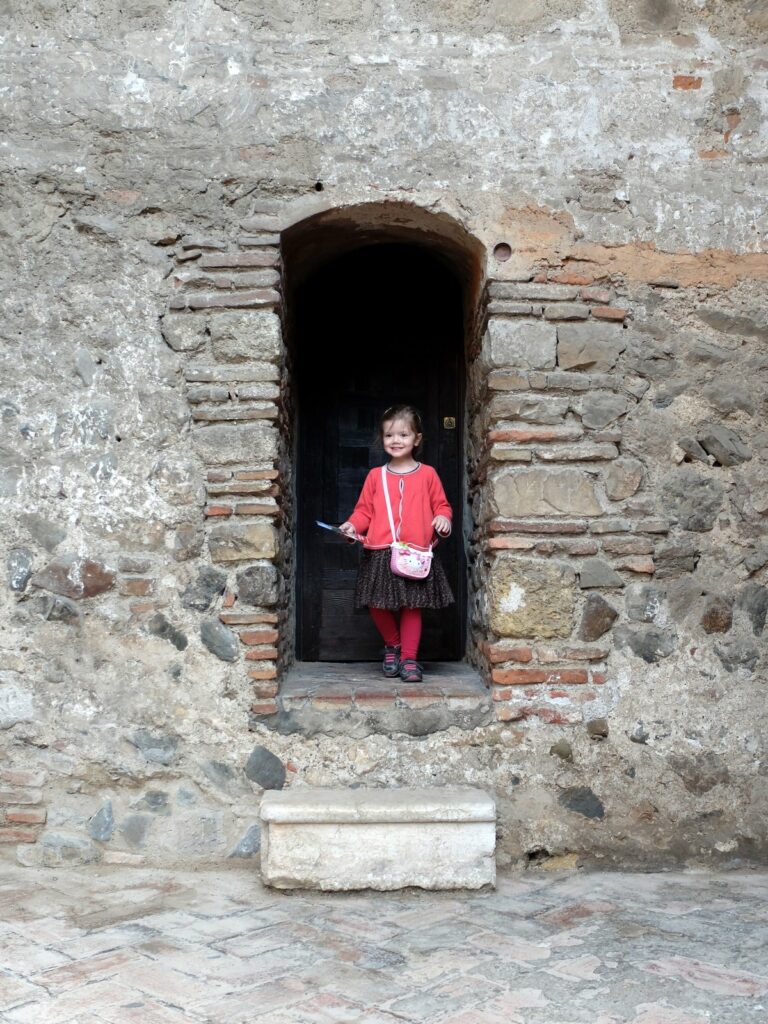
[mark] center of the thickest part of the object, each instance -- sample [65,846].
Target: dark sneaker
[391,663]
[410,671]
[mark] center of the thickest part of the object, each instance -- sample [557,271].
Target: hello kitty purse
[407,560]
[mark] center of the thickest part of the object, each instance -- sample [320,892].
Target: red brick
[523,435]
[142,607]
[265,688]
[218,261]
[548,655]
[496,652]
[259,636]
[218,476]
[582,696]
[17,835]
[229,599]
[137,588]
[261,654]
[257,474]
[26,817]
[255,297]
[22,777]
[628,545]
[505,713]
[246,618]
[501,693]
[523,676]
[713,154]
[577,547]
[595,295]
[608,313]
[255,508]
[509,544]
[265,707]
[518,676]
[242,487]
[598,678]
[523,526]
[637,564]
[570,277]
[218,510]
[259,674]
[20,796]
[552,716]
[686,82]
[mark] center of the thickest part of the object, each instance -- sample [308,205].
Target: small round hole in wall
[502,252]
[319,186]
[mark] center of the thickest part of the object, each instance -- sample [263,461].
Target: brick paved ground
[120,946]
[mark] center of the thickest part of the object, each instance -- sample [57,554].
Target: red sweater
[423,498]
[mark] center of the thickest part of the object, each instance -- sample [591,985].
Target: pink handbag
[408,560]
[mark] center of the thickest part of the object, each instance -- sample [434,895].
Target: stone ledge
[425,804]
[334,839]
[350,699]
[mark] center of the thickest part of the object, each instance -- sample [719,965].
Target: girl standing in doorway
[420,510]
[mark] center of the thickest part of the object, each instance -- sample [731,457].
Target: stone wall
[607,161]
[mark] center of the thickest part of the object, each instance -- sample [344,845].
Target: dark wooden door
[382,325]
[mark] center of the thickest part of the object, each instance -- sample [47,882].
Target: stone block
[184,332]
[384,839]
[530,598]
[529,408]
[232,542]
[692,499]
[528,346]
[16,703]
[75,577]
[589,346]
[236,337]
[623,478]
[544,492]
[225,443]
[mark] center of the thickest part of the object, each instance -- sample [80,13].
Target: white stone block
[332,839]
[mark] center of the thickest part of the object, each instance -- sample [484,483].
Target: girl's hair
[401,412]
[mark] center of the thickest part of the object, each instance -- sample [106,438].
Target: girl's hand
[442,525]
[349,531]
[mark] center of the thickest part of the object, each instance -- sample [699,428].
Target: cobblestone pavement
[117,946]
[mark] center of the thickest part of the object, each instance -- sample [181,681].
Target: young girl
[420,509]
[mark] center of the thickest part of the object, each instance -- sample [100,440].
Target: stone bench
[436,838]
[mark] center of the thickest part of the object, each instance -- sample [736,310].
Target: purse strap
[389,508]
[389,503]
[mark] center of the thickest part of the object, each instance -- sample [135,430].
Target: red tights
[406,636]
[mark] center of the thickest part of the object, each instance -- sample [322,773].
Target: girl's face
[399,439]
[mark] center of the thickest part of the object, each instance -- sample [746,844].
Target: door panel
[397,338]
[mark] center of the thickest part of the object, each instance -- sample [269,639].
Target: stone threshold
[354,698]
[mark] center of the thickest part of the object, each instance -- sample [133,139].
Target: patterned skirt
[378,587]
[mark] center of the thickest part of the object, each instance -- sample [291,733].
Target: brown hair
[401,412]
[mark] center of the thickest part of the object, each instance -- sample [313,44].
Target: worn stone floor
[122,945]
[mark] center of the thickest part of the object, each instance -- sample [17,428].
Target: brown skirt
[378,587]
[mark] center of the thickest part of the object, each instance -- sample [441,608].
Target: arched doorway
[375,316]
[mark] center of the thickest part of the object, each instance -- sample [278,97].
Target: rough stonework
[593,176]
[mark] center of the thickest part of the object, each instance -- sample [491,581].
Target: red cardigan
[423,498]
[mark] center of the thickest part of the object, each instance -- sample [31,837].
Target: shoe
[391,663]
[410,671]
